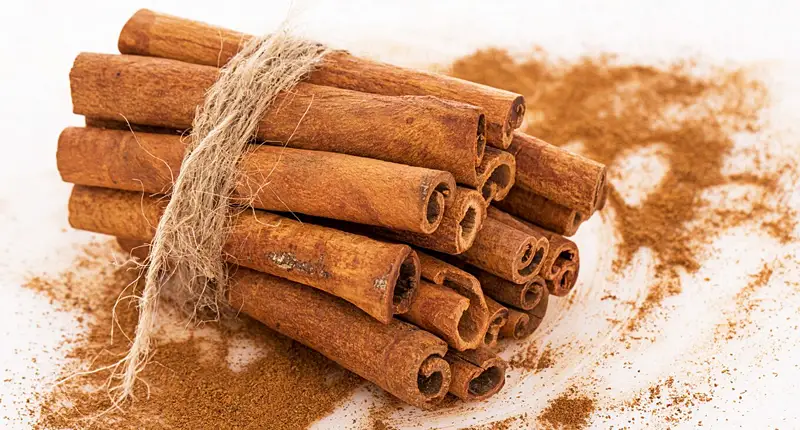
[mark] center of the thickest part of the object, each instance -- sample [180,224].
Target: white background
[38,41]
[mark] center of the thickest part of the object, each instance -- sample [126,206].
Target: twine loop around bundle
[186,251]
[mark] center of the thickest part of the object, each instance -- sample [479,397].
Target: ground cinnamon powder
[191,384]
[609,110]
[569,411]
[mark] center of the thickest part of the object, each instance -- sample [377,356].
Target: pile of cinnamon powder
[283,385]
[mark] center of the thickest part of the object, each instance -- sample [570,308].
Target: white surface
[38,41]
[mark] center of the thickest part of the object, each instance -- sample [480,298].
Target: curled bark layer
[317,183]
[497,319]
[413,130]
[473,323]
[561,265]
[160,35]
[523,296]
[507,252]
[381,279]
[477,374]
[496,175]
[463,218]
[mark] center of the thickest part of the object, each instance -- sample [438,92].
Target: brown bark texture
[377,277]
[477,374]
[507,252]
[398,357]
[462,220]
[414,130]
[317,183]
[561,176]
[159,35]
[474,321]
[536,209]
[523,296]
[496,174]
[561,264]
[498,318]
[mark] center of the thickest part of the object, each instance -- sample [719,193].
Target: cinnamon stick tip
[406,286]
[436,199]
[515,116]
[530,257]
[480,144]
[131,39]
[474,213]
[488,382]
[433,379]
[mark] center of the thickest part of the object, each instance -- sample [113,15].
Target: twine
[186,252]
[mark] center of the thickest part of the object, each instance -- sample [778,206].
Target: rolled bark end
[468,226]
[564,280]
[407,283]
[497,319]
[472,324]
[496,174]
[602,193]
[433,378]
[435,206]
[533,292]
[513,120]
[477,373]
[531,256]
[480,143]
[517,325]
[487,382]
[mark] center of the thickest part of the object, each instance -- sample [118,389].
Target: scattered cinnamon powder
[191,384]
[569,411]
[612,110]
[530,359]
[740,318]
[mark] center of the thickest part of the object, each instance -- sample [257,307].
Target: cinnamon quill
[317,183]
[413,130]
[379,278]
[160,35]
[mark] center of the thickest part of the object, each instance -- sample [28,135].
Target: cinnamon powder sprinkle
[191,383]
[609,110]
[569,411]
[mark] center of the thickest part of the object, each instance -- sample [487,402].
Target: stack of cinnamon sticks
[399,223]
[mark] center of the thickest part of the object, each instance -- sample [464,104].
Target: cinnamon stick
[398,357]
[498,318]
[160,35]
[507,252]
[523,296]
[282,179]
[460,224]
[417,131]
[377,277]
[540,211]
[443,312]
[562,282]
[522,324]
[558,175]
[517,325]
[496,174]
[561,264]
[477,374]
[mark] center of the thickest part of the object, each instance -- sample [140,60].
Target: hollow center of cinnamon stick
[436,201]
[532,295]
[481,141]
[499,178]
[468,224]
[533,263]
[430,385]
[405,286]
[486,381]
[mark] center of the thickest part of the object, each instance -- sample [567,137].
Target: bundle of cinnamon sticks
[398,222]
